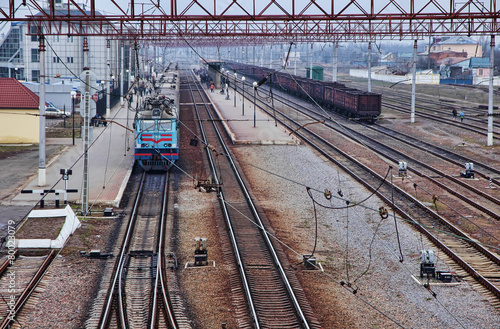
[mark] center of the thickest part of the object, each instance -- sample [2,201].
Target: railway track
[404,96]
[445,119]
[18,281]
[476,261]
[268,295]
[481,169]
[138,295]
[430,109]
[400,152]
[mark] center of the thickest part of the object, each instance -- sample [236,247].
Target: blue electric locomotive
[157,133]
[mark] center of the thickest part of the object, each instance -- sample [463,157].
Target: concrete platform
[111,155]
[241,127]
[111,158]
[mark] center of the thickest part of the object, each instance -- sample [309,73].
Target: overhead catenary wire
[401,258]
[352,203]
[341,283]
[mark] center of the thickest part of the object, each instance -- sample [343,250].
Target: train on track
[156,125]
[334,96]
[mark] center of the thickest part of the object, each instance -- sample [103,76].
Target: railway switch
[108,212]
[403,169]
[444,276]
[309,262]
[427,263]
[469,170]
[200,252]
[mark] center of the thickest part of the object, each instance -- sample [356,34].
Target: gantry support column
[108,83]
[271,58]
[311,63]
[335,61]
[369,67]
[489,141]
[122,71]
[413,82]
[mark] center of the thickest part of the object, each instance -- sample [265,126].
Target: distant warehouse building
[19,123]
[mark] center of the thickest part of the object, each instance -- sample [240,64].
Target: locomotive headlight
[166,145]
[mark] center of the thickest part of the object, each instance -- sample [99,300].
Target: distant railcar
[349,102]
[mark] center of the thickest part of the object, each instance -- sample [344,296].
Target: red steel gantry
[281,20]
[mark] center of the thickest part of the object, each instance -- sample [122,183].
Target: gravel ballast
[346,252]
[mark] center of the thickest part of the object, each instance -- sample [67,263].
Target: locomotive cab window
[148,125]
[165,125]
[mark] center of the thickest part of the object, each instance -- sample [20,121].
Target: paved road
[15,172]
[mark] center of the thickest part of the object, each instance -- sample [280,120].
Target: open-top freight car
[350,102]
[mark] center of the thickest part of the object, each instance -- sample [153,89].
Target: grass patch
[65,130]
[41,228]
[10,150]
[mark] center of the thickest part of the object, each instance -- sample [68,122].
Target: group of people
[454,113]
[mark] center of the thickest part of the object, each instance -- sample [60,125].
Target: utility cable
[346,256]
[415,185]
[107,157]
[401,258]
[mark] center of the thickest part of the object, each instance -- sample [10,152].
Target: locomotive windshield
[148,125]
[165,125]
[151,125]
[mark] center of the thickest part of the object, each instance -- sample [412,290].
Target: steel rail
[464,237]
[406,141]
[6,264]
[431,149]
[226,217]
[423,164]
[112,294]
[440,119]
[260,224]
[353,132]
[159,280]
[491,256]
[30,288]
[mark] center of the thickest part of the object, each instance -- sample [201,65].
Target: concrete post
[413,82]
[335,61]
[489,141]
[130,63]
[41,142]
[295,61]
[122,72]
[369,67]
[253,54]
[85,52]
[311,62]
[86,129]
[271,58]
[108,83]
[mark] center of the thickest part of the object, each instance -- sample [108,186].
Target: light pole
[243,100]
[127,78]
[254,103]
[235,76]
[73,96]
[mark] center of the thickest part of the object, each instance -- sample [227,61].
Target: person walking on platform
[454,113]
[462,115]
[212,88]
